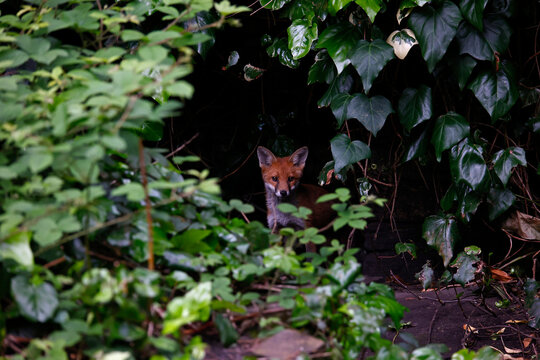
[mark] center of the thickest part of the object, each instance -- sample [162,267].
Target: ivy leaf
[335,5]
[280,49]
[341,84]
[484,45]
[499,200]
[473,10]
[301,9]
[323,69]
[465,268]
[339,39]
[371,112]
[449,129]
[417,147]
[36,302]
[194,306]
[301,35]
[415,106]
[425,276]
[227,333]
[496,91]
[369,58]
[340,104]
[371,7]
[441,233]
[467,165]
[462,67]
[402,41]
[346,152]
[273,4]
[435,28]
[505,160]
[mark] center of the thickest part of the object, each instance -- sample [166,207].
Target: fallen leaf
[511,351]
[500,275]
[516,321]
[470,329]
[500,331]
[527,342]
[287,344]
[523,225]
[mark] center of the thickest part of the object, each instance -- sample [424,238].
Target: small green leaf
[371,7]
[449,129]
[323,69]
[505,160]
[417,147]
[341,84]
[36,302]
[467,165]
[335,5]
[340,39]
[194,306]
[441,233]
[369,58]
[227,333]
[401,248]
[273,4]
[280,49]
[226,8]
[473,11]
[251,72]
[484,45]
[133,191]
[347,152]
[17,247]
[415,106]
[301,33]
[499,200]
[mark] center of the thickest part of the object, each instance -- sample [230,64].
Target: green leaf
[371,112]
[39,161]
[280,49]
[181,88]
[301,35]
[484,45]
[496,91]
[340,39]
[465,268]
[499,200]
[133,191]
[415,106]
[467,165]
[131,35]
[369,58]
[252,73]
[226,8]
[341,84]
[441,233]
[152,131]
[462,68]
[17,248]
[346,152]
[273,4]
[505,160]
[194,306]
[36,302]
[335,5]
[434,29]
[46,231]
[371,7]
[33,45]
[323,69]
[339,106]
[417,147]
[401,248]
[154,53]
[12,58]
[449,129]
[425,276]
[473,11]
[227,333]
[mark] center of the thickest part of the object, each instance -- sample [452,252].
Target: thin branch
[147,206]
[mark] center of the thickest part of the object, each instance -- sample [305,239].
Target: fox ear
[266,158]
[299,157]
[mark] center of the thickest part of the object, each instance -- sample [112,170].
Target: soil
[458,317]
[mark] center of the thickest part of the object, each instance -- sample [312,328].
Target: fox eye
[290,178]
[274,178]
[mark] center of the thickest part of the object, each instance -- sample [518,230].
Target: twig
[147,206]
[181,147]
[431,324]
[243,162]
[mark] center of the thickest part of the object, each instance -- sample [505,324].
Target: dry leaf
[287,344]
[500,331]
[511,351]
[523,225]
[500,275]
[469,329]
[527,342]
[516,321]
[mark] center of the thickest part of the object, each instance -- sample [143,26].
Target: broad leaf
[473,10]
[499,201]
[371,7]
[301,35]
[467,165]
[462,67]
[465,268]
[371,112]
[341,84]
[36,302]
[301,9]
[280,49]
[17,247]
[441,233]
[340,39]
[483,45]
[449,129]
[417,147]
[415,106]
[339,106]
[335,5]
[194,306]
[346,152]
[273,4]
[496,90]
[435,28]
[323,69]
[369,58]
[505,160]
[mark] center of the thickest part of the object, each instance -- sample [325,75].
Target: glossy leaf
[280,49]
[339,106]
[370,111]
[302,9]
[36,302]
[273,4]
[371,7]
[301,35]
[415,106]
[341,84]
[417,147]
[339,39]
[369,58]
[496,91]
[346,152]
[472,11]
[467,165]
[483,45]
[462,67]
[323,69]
[499,200]
[505,160]
[252,73]
[435,27]
[449,129]
[335,5]
[402,41]
[441,233]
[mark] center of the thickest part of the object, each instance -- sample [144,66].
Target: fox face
[281,175]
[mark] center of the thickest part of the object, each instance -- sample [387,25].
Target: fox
[281,177]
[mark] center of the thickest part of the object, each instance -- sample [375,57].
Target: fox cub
[281,176]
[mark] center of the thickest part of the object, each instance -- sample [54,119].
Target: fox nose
[284,193]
